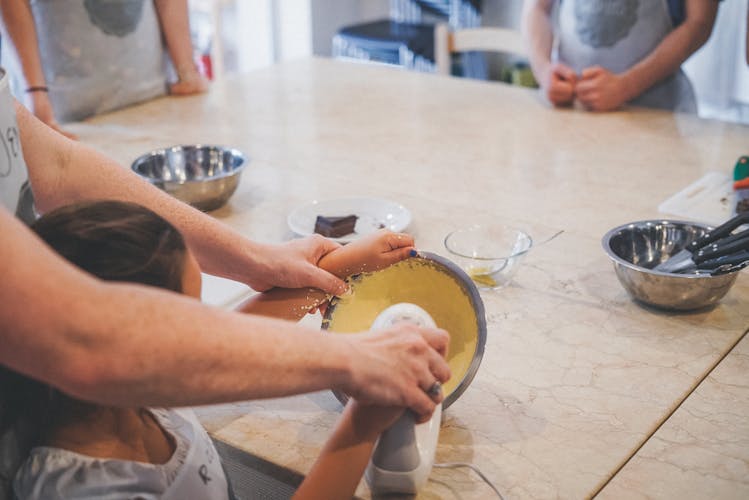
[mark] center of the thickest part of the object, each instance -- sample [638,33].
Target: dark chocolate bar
[335,227]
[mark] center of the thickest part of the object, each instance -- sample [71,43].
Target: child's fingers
[399,240]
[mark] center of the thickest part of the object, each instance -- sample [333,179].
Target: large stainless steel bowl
[436,285]
[203,176]
[638,247]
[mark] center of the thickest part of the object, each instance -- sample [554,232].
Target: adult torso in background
[99,55]
[616,34]
[15,193]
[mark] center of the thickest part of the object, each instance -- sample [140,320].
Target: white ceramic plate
[373,213]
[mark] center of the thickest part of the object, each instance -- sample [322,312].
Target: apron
[15,192]
[99,55]
[616,34]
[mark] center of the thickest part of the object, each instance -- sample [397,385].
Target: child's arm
[340,466]
[371,253]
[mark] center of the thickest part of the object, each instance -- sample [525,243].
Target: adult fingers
[325,281]
[585,88]
[437,338]
[591,72]
[320,246]
[564,72]
[421,404]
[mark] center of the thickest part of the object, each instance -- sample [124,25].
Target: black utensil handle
[724,246]
[719,232]
[729,268]
[736,258]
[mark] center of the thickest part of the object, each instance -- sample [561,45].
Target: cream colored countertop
[575,376]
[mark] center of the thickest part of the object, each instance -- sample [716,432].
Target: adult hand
[190,82]
[42,109]
[559,84]
[397,366]
[601,90]
[295,265]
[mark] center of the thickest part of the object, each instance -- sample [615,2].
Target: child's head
[114,241]
[118,241]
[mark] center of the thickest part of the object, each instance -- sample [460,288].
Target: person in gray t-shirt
[84,57]
[605,53]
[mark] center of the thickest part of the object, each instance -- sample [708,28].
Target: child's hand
[369,421]
[601,90]
[560,85]
[371,253]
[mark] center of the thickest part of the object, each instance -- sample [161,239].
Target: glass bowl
[489,254]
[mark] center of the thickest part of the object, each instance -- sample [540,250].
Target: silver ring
[435,389]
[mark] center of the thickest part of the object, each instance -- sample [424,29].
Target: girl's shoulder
[50,472]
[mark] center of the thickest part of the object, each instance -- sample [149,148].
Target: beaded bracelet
[40,88]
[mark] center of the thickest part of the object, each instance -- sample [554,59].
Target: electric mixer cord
[455,465]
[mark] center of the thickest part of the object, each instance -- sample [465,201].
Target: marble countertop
[581,390]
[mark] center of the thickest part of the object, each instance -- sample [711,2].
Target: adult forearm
[669,55]
[131,345]
[539,35]
[19,25]
[175,25]
[63,172]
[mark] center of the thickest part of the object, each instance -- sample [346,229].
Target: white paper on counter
[709,200]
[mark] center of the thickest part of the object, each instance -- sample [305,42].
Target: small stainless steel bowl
[638,247]
[203,176]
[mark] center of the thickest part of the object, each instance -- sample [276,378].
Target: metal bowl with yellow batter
[433,283]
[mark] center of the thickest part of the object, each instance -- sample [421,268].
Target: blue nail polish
[413,253]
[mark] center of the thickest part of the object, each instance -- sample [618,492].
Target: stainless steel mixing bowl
[203,176]
[638,247]
[436,285]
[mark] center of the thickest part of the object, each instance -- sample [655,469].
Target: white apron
[99,55]
[616,34]
[15,193]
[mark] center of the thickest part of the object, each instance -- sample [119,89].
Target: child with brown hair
[83,450]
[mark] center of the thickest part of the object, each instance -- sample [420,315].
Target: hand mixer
[404,454]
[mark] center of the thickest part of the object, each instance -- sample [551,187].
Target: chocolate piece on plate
[335,227]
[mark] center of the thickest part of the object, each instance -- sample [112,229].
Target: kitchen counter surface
[578,384]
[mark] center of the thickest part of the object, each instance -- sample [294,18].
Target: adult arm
[602,90]
[62,171]
[175,26]
[557,80]
[18,24]
[131,345]
[371,253]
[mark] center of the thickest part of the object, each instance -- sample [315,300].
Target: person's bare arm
[62,172]
[347,451]
[132,345]
[557,80]
[371,253]
[602,90]
[18,24]
[339,468]
[175,26]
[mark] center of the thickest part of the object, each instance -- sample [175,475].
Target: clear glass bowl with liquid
[489,254]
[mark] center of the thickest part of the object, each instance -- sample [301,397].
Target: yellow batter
[426,284]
